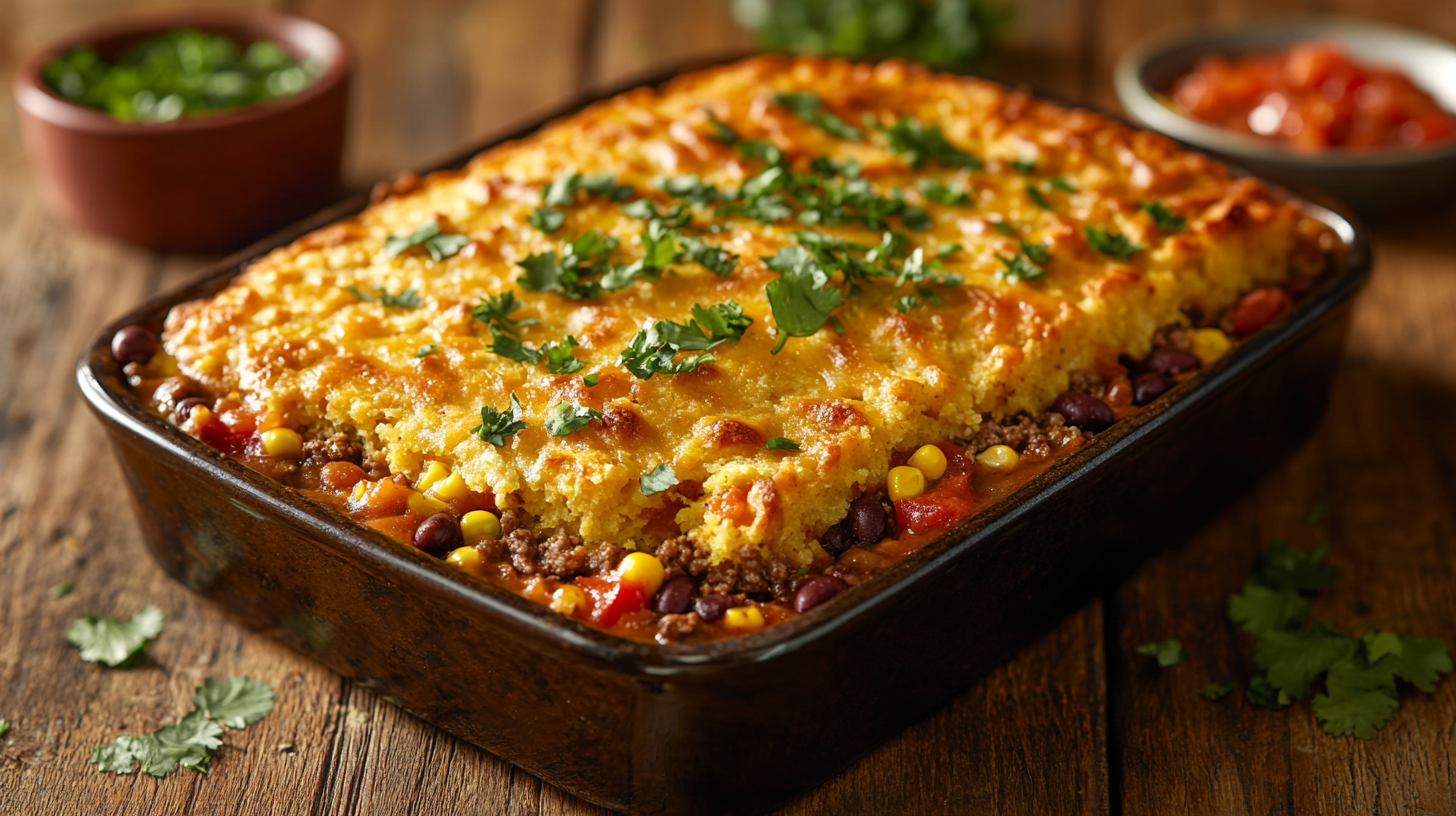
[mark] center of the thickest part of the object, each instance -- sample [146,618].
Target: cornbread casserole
[685,349]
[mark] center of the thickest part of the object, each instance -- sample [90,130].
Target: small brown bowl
[200,183]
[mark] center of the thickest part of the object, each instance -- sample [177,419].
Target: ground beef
[521,544]
[1034,438]
[511,521]
[682,556]
[751,573]
[492,550]
[336,448]
[674,628]
[603,559]
[562,556]
[1173,337]
[376,466]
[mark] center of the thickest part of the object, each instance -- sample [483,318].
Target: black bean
[867,519]
[836,540]
[816,591]
[439,534]
[1083,410]
[184,409]
[675,597]
[712,607]
[1170,361]
[134,344]
[1149,386]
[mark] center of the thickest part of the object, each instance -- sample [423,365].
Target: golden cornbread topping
[713,315]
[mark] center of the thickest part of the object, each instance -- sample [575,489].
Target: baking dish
[734,725]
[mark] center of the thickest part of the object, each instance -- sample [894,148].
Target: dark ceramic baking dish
[735,725]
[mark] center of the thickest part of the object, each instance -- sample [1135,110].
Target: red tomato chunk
[610,600]
[1257,309]
[949,503]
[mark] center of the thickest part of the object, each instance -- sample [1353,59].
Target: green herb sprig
[406,299]
[497,426]
[115,642]
[810,108]
[1113,245]
[439,244]
[191,741]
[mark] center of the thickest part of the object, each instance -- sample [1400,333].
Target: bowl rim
[1141,104]
[372,551]
[36,99]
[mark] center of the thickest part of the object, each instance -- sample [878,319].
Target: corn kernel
[201,415]
[568,600]
[1209,345]
[466,558]
[360,488]
[424,505]
[905,482]
[434,473]
[929,460]
[743,618]
[998,458]
[480,525]
[450,487]
[282,442]
[643,570]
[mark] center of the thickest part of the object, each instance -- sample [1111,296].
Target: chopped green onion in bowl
[183,72]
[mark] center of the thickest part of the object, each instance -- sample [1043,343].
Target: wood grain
[1075,724]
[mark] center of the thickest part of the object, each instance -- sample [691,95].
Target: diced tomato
[949,503]
[1256,309]
[612,599]
[225,439]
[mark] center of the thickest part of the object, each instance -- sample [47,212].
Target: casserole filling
[699,358]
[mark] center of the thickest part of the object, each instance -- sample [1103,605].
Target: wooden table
[1077,723]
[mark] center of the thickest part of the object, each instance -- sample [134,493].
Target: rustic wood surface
[1077,723]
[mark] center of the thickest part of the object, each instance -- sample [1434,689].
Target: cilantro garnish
[546,219]
[1359,672]
[495,311]
[1214,692]
[1165,219]
[906,303]
[646,209]
[1003,228]
[948,248]
[568,418]
[1113,245]
[557,356]
[810,108]
[495,426]
[919,143]
[190,741]
[781,443]
[721,132]
[1019,268]
[1168,653]
[1036,197]
[424,351]
[801,298]
[408,299]
[590,380]
[654,349]
[1061,185]
[439,245]
[115,642]
[1039,254]
[661,478]
[60,590]
[4,727]
[561,192]
[1023,166]
[937,191]
[572,273]
[689,188]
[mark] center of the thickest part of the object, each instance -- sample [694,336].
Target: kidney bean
[1257,309]
[675,597]
[816,591]
[712,607]
[868,520]
[836,540]
[439,534]
[1083,410]
[184,409]
[134,344]
[1149,386]
[1170,361]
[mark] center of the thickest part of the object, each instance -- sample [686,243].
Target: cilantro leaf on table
[1164,218]
[4,726]
[496,426]
[546,219]
[659,479]
[781,443]
[1422,661]
[407,299]
[1294,660]
[1168,653]
[1113,245]
[1285,567]
[1262,693]
[1261,609]
[439,244]
[1213,692]
[117,643]
[60,590]
[919,143]
[1358,715]
[567,418]
[810,108]
[495,311]
[801,298]
[236,702]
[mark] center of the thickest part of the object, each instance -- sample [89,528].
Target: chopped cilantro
[568,418]
[190,741]
[572,273]
[721,132]
[1260,608]
[546,219]
[424,351]
[237,702]
[1039,254]
[408,299]
[60,590]
[561,192]
[590,380]
[810,108]
[919,143]
[780,443]
[801,298]
[495,426]
[1003,228]
[949,248]
[440,245]
[689,188]
[1019,268]
[939,192]
[906,303]
[1061,185]
[1023,166]
[646,209]
[1214,692]
[1285,567]
[1113,245]
[654,349]
[1168,653]
[495,311]
[115,642]
[1165,219]
[557,356]
[1036,197]
[661,478]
